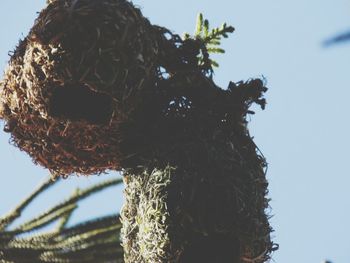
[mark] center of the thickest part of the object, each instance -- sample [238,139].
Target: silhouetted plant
[95,240]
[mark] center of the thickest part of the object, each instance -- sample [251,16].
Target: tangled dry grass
[95,87]
[73,79]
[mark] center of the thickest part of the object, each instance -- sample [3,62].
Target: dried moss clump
[79,73]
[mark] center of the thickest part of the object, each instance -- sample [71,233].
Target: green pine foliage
[96,240]
[210,40]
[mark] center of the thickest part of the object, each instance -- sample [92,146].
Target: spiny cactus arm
[16,213]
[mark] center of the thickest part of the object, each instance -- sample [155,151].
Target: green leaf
[199,25]
[206,28]
[216,50]
[215,42]
[210,41]
[214,63]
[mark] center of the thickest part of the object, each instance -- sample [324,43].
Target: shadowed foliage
[95,240]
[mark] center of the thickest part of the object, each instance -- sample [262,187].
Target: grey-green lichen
[145,217]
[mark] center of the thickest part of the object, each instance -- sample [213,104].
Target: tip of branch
[345,37]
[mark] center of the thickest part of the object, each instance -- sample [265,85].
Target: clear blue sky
[303,132]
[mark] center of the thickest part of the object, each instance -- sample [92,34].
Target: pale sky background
[303,132]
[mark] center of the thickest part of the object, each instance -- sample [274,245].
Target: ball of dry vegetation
[79,73]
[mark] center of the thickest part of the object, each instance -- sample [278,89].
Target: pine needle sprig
[213,36]
[209,42]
